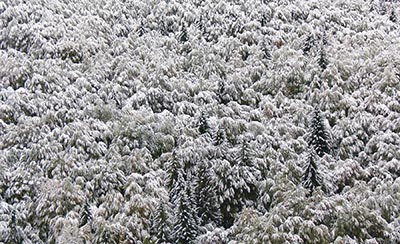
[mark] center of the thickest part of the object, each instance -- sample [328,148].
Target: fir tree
[219,137]
[172,168]
[220,145]
[186,224]
[393,16]
[223,97]
[161,227]
[206,199]
[247,172]
[86,215]
[311,178]
[203,124]
[266,53]
[319,138]
[243,158]
[183,36]
[15,235]
[177,185]
[308,44]
[322,59]
[141,30]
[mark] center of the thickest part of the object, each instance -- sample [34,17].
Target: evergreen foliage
[203,124]
[86,215]
[222,94]
[186,226]
[322,59]
[311,178]
[129,104]
[319,136]
[161,227]
[205,198]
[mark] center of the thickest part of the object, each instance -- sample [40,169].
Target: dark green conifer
[161,227]
[186,224]
[174,169]
[206,199]
[311,178]
[203,124]
[322,59]
[86,215]
[319,137]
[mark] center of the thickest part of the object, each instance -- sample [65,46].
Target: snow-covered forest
[200,121]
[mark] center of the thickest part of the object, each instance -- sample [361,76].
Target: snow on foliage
[198,118]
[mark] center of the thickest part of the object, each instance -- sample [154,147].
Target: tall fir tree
[15,236]
[203,124]
[308,44]
[183,35]
[161,227]
[173,167]
[186,223]
[219,142]
[206,199]
[247,172]
[223,97]
[86,215]
[311,178]
[319,137]
[219,137]
[322,59]
[243,157]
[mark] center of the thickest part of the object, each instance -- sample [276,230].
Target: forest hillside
[191,121]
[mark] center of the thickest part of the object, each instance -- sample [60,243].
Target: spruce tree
[308,44]
[206,199]
[243,157]
[319,138]
[223,97]
[176,188]
[86,215]
[203,124]
[183,36]
[186,225]
[392,16]
[219,137]
[311,178]
[161,227]
[219,142]
[322,59]
[15,235]
[172,168]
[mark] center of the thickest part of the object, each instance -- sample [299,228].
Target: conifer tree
[245,176]
[219,142]
[161,227]
[311,178]
[392,16]
[141,30]
[236,177]
[183,36]
[223,97]
[219,137]
[243,157]
[172,168]
[322,59]
[15,235]
[186,224]
[206,199]
[86,215]
[177,186]
[319,138]
[203,124]
[308,44]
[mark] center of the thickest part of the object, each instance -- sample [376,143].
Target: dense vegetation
[144,121]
